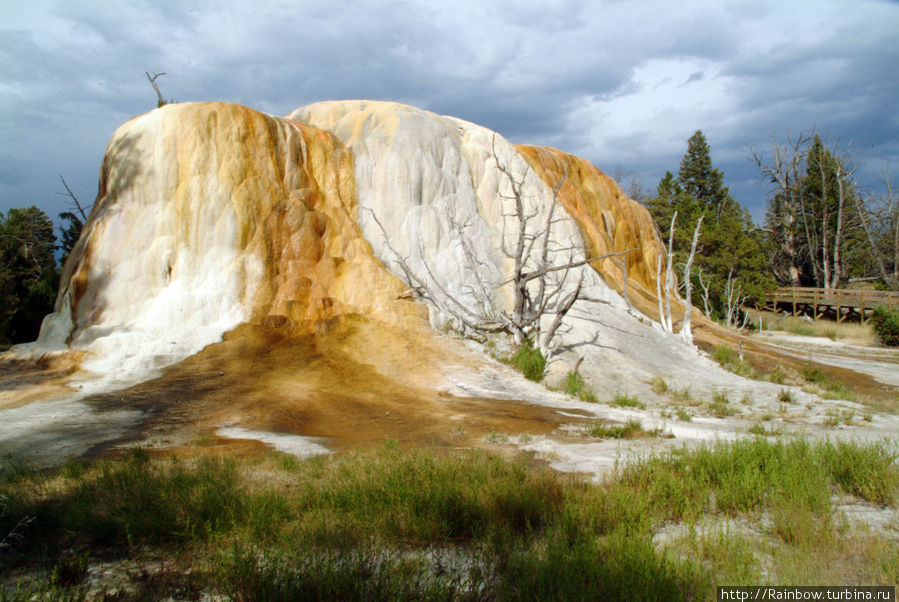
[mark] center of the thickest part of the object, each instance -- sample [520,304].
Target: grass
[623,400]
[720,405]
[826,385]
[632,429]
[395,524]
[812,379]
[835,416]
[759,429]
[683,396]
[848,332]
[575,385]
[529,361]
[659,385]
[731,360]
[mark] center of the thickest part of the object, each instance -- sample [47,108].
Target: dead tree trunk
[161,102]
[784,172]
[686,332]
[542,294]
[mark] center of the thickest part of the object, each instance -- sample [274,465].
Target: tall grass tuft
[575,385]
[529,361]
[623,400]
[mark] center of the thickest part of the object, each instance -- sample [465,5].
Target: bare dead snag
[686,332]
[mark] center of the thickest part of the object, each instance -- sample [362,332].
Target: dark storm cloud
[587,77]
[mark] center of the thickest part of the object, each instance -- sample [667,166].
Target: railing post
[861,306]
[839,299]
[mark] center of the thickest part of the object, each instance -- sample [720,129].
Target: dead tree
[609,222]
[785,173]
[831,245]
[734,300]
[543,290]
[686,332]
[664,297]
[879,215]
[705,294]
[161,101]
[75,201]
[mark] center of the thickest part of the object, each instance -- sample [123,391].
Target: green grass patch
[413,524]
[575,385]
[630,430]
[835,416]
[529,361]
[720,405]
[760,429]
[730,360]
[623,400]
[824,384]
[828,387]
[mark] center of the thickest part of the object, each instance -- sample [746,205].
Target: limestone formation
[210,215]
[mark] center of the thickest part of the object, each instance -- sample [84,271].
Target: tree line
[820,230]
[31,257]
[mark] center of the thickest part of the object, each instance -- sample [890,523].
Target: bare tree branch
[71,195]
[161,102]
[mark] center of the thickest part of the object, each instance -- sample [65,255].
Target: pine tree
[729,248]
[28,273]
[700,180]
[70,234]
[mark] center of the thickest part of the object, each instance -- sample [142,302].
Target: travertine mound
[610,222]
[210,215]
[433,189]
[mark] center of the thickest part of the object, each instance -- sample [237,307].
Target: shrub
[529,361]
[886,326]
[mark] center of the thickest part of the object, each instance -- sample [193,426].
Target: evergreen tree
[70,235]
[700,180]
[729,247]
[28,273]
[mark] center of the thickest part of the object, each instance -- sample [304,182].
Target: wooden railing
[839,302]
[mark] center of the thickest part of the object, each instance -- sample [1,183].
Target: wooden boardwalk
[835,303]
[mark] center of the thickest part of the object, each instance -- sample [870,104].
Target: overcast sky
[622,83]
